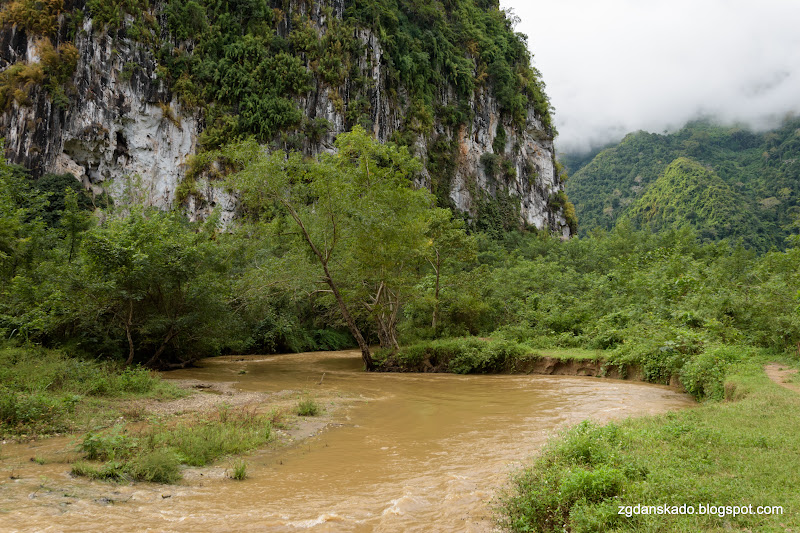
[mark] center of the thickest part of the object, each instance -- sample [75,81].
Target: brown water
[412,452]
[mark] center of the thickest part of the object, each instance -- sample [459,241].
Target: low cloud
[621,65]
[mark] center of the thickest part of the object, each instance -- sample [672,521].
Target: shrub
[201,442]
[36,16]
[308,407]
[38,412]
[156,466]
[469,355]
[16,83]
[704,375]
[108,446]
[156,454]
[585,466]
[592,485]
[40,388]
[239,470]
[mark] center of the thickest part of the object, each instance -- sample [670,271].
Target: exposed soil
[548,366]
[782,375]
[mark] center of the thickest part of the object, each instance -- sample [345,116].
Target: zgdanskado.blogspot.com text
[700,509]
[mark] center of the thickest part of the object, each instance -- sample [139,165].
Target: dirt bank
[548,366]
[782,375]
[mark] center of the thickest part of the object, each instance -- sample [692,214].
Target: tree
[354,212]
[151,277]
[448,242]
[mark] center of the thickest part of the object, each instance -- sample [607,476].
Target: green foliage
[582,467]
[156,466]
[704,376]
[200,442]
[34,412]
[40,388]
[110,15]
[468,355]
[63,190]
[245,61]
[308,407]
[53,70]
[239,472]
[38,17]
[156,453]
[16,83]
[497,213]
[427,43]
[357,219]
[688,194]
[154,281]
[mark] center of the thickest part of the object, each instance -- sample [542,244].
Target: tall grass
[40,388]
[155,454]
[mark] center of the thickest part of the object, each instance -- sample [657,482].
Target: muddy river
[402,452]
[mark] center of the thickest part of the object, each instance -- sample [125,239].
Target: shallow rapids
[408,452]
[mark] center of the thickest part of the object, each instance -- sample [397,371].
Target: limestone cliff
[122,120]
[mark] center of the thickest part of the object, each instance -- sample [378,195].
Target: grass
[238,470]
[740,451]
[157,453]
[308,407]
[45,391]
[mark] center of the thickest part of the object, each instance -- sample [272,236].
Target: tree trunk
[366,356]
[128,323]
[437,268]
[369,364]
[156,356]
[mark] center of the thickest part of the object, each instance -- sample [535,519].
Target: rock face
[123,132]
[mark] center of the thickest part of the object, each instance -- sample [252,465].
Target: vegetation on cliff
[258,68]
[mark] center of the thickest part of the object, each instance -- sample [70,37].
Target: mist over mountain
[620,66]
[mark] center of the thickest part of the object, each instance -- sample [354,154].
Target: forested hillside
[133,88]
[760,169]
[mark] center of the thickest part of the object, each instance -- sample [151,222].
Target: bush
[156,454]
[38,412]
[39,17]
[239,470]
[156,466]
[308,407]
[40,388]
[704,375]
[469,355]
[583,467]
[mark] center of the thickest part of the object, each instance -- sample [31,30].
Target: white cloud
[617,66]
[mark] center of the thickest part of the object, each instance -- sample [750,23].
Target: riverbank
[742,451]
[128,424]
[472,355]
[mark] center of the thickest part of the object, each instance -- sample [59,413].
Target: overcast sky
[615,66]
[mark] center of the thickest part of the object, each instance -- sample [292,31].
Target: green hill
[762,168]
[689,194]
